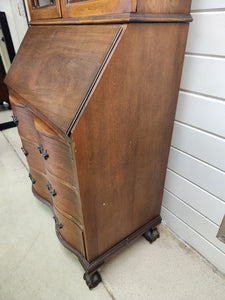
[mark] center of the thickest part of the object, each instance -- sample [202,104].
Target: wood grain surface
[122,138]
[96,7]
[67,198]
[40,184]
[117,19]
[70,232]
[25,120]
[34,158]
[58,65]
[92,8]
[45,12]
[164,6]
[60,160]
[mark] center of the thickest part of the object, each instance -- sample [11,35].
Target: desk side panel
[122,138]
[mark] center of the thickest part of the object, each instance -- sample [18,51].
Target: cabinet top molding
[66,9]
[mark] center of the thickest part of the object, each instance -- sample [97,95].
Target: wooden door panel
[163,7]
[44,9]
[76,8]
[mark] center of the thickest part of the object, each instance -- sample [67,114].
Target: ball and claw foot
[151,235]
[92,280]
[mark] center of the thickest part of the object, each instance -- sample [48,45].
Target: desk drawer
[39,181]
[56,152]
[32,154]
[25,120]
[70,232]
[59,159]
[65,197]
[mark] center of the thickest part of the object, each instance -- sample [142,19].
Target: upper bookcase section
[55,9]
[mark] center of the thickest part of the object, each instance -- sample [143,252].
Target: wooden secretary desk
[93,89]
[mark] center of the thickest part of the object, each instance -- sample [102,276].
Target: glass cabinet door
[44,9]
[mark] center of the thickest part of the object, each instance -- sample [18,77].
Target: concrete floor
[34,265]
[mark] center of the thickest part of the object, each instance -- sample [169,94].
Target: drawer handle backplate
[15,120]
[32,179]
[51,190]
[40,148]
[58,224]
[24,151]
[43,152]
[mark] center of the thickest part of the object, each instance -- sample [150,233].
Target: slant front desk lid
[56,68]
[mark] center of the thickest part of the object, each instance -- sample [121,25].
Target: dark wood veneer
[121,157]
[49,11]
[94,95]
[34,159]
[96,7]
[117,19]
[160,7]
[40,184]
[60,59]
[67,198]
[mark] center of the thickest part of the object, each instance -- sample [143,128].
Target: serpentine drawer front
[32,154]
[56,153]
[69,232]
[67,198]
[39,184]
[94,88]
[25,120]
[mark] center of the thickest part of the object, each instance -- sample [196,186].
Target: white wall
[194,194]
[16,20]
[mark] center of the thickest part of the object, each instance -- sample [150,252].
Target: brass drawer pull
[58,224]
[24,151]
[32,179]
[40,148]
[43,152]
[51,190]
[15,120]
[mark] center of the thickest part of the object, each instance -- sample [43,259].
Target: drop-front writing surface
[59,64]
